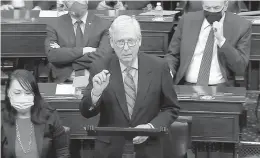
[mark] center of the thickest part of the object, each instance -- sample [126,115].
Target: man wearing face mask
[75,41]
[209,47]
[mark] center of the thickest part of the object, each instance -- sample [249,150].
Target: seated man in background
[210,47]
[23,4]
[45,5]
[193,6]
[136,5]
[133,90]
[110,5]
[16,4]
[75,41]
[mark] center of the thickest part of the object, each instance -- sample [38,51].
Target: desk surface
[184,93]
[101,13]
[48,91]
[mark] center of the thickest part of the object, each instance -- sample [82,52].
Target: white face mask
[22,103]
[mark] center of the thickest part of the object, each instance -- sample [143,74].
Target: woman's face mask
[21,99]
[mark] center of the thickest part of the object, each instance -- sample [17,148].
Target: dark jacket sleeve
[60,138]
[104,49]
[237,57]
[86,103]
[169,103]
[3,139]
[62,55]
[173,56]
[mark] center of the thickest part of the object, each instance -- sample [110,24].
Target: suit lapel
[66,23]
[118,86]
[39,134]
[193,36]
[227,29]
[227,33]
[144,81]
[87,28]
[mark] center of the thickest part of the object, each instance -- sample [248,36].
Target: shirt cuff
[94,100]
[151,125]
[171,73]
[220,44]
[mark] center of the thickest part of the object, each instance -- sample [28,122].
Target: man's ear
[140,41]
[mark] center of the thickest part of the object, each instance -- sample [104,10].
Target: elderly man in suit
[75,41]
[234,6]
[134,90]
[210,47]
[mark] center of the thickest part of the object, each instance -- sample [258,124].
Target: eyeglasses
[130,43]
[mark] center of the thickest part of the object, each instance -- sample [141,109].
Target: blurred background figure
[25,4]
[110,5]
[45,5]
[136,5]
[30,127]
[193,6]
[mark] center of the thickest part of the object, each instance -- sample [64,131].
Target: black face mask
[212,16]
[111,3]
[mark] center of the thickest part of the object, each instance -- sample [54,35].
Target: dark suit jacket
[136,5]
[156,103]
[51,139]
[233,56]
[69,57]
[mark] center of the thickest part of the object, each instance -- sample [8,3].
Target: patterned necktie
[79,43]
[203,77]
[130,91]
[79,34]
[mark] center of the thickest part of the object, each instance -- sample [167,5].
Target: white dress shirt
[82,26]
[215,76]
[133,72]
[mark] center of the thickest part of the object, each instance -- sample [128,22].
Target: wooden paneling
[27,39]
[253,71]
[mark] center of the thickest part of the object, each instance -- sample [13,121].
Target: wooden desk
[27,39]
[253,71]
[209,115]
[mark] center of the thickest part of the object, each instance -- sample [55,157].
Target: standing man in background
[210,47]
[75,41]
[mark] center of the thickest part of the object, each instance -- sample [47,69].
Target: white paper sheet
[165,13]
[257,21]
[65,89]
[51,13]
[80,81]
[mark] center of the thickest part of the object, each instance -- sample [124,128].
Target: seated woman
[30,127]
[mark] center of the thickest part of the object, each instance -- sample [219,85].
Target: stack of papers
[257,21]
[65,89]
[165,13]
[51,13]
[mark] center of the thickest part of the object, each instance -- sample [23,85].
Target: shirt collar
[84,19]
[134,65]
[206,24]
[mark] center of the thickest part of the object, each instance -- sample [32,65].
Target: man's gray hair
[70,2]
[123,21]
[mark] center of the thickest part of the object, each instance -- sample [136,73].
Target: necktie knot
[128,69]
[79,22]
